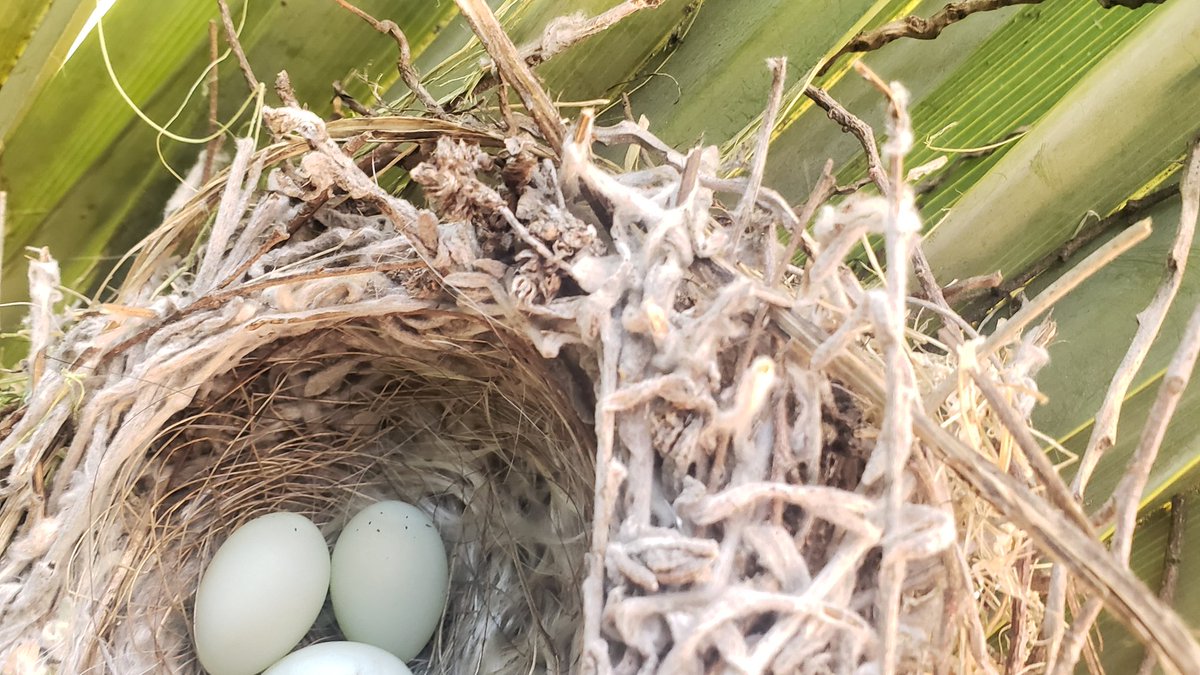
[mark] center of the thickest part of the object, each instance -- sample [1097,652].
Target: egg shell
[339,658]
[260,594]
[390,578]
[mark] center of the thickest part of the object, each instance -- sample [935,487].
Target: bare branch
[1056,489]
[1129,491]
[234,44]
[1045,300]
[564,33]
[853,125]
[1150,320]
[862,131]
[513,69]
[210,150]
[404,64]
[284,90]
[1170,570]
[1128,213]
[1133,483]
[1050,530]
[969,287]
[896,431]
[745,207]
[920,29]
[1131,4]
[821,193]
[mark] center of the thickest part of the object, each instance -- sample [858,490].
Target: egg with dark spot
[388,582]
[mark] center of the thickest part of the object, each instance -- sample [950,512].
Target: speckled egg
[390,578]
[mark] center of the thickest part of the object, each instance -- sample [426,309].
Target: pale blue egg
[390,578]
[339,658]
[260,594]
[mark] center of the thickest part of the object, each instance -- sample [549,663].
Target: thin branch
[964,289]
[1131,4]
[1075,639]
[919,29]
[1170,570]
[1018,649]
[1150,320]
[1133,483]
[513,69]
[1049,529]
[506,113]
[3,227]
[344,97]
[1129,491]
[285,91]
[234,44]
[745,207]
[853,125]
[404,65]
[896,430]
[564,33]
[931,289]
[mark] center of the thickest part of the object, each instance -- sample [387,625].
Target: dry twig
[1104,429]
[822,192]
[1050,529]
[1009,330]
[566,32]
[1130,4]
[232,38]
[853,125]
[919,29]
[214,146]
[1128,213]
[1133,483]
[745,207]
[1172,557]
[964,289]
[1056,489]
[513,69]
[404,65]
[896,432]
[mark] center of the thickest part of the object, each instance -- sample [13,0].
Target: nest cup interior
[475,430]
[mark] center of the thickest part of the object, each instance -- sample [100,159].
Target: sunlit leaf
[34,38]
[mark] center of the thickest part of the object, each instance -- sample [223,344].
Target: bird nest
[650,442]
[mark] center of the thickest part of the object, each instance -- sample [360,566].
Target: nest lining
[325,423]
[333,344]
